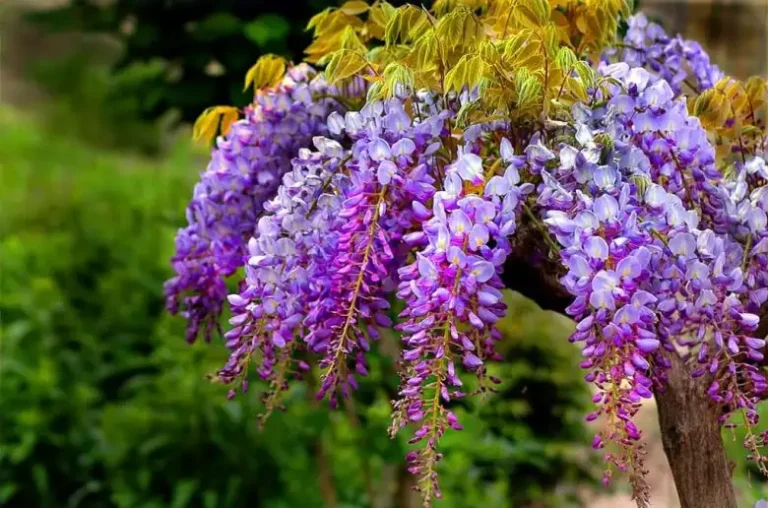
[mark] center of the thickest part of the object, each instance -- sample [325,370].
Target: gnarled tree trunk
[693,443]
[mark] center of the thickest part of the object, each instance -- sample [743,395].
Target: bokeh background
[103,404]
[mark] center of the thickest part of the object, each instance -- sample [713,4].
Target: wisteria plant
[432,157]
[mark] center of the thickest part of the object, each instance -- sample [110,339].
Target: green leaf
[565,58]
[354,7]
[396,75]
[406,25]
[586,73]
[344,64]
[183,492]
[466,73]
[527,86]
[374,91]
[535,11]
[425,52]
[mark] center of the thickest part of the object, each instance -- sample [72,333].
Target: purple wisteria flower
[390,169]
[676,60]
[651,237]
[285,265]
[245,170]
[334,214]
[453,299]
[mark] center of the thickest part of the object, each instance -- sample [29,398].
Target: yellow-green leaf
[406,24]
[207,124]
[350,40]
[381,13]
[466,73]
[565,58]
[396,76]
[585,73]
[318,19]
[534,11]
[374,91]
[459,28]
[528,88]
[425,52]
[344,64]
[267,72]
[354,7]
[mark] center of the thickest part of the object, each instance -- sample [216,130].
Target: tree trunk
[693,443]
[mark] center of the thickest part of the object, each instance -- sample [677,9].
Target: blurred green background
[102,403]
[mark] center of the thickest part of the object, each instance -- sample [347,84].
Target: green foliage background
[103,404]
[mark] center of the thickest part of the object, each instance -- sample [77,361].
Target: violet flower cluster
[283,263]
[452,292]
[646,226]
[335,215]
[390,167]
[679,61]
[245,170]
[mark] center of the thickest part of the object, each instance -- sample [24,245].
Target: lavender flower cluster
[335,214]
[677,60]
[453,295]
[646,224]
[245,169]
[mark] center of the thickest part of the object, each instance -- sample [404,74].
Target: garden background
[103,404]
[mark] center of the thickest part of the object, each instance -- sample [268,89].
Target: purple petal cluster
[245,170]
[294,236]
[652,239]
[677,60]
[390,167]
[453,298]
[663,248]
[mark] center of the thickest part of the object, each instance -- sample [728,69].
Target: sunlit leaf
[344,64]
[406,24]
[466,73]
[267,72]
[354,7]
[211,120]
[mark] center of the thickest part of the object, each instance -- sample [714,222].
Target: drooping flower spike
[245,171]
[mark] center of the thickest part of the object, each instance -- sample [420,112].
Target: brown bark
[690,432]
[693,443]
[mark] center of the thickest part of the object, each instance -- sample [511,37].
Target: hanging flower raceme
[678,61]
[245,170]
[594,216]
[647,273]
[459,157]
[390,168]
[453,299]
[286,262]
